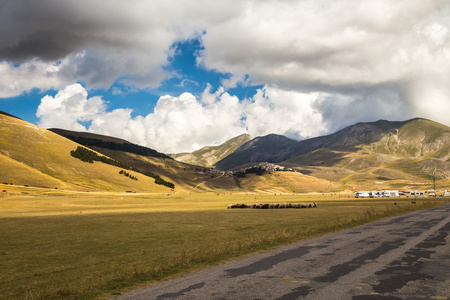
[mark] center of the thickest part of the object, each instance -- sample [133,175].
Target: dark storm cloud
[40,29]
[92,41]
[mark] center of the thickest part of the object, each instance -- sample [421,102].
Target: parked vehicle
[376,194]
[416,194]
[391,194]
[362,194]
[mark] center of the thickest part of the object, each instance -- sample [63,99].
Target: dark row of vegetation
[90,156]
[125,173]
[159,180]
[126,147]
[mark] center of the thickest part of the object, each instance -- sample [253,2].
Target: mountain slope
[270,148]
[406,155]
[97,140]
[416,138]
[30,155]
[209,155]
[186,177]
[374,155]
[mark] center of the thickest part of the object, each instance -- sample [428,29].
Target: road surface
[405,257]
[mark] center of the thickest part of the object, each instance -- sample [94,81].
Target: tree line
[125,173]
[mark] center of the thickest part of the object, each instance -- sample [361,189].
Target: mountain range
[374,155]
[418,138]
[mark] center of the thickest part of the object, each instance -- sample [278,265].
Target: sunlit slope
[287,182]
[418,138]
[38,157]
[403,156]
[186,177]
[17,173]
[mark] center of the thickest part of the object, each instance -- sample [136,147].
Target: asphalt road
[405,257]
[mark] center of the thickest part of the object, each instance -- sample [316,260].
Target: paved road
[405,257]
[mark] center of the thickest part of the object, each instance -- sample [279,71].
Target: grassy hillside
[186,177]
[407,155]
[287,182]
[97,140]
[418,138]
[37,157]
[17,173]
[209,155]
[400,155]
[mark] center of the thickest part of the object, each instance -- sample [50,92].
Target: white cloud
[328,44]
[185,123]
[29,75]
[68,107]
[177,124]
[293,45]
[283,112]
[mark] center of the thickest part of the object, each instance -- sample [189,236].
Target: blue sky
[179,75]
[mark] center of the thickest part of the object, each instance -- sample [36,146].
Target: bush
[122,172]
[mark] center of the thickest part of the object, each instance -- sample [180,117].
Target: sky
[178,75]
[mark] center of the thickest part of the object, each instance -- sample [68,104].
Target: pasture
[94,245]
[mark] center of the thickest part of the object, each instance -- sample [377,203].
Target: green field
[93,245]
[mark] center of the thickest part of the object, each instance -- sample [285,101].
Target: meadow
[67,245]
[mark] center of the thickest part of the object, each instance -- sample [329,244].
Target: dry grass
[288,182]
[50,250]
[30,155]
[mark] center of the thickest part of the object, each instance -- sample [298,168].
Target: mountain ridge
[102,141]
[373,155]
[347,139]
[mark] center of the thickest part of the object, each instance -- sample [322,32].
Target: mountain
[209,155]
[33,156]
[374,153]
[409,138]
[270,148]
[36,157]
[186,177]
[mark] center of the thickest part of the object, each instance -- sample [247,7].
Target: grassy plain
[93,245]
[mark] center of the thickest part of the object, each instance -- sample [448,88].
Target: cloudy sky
[177,75]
